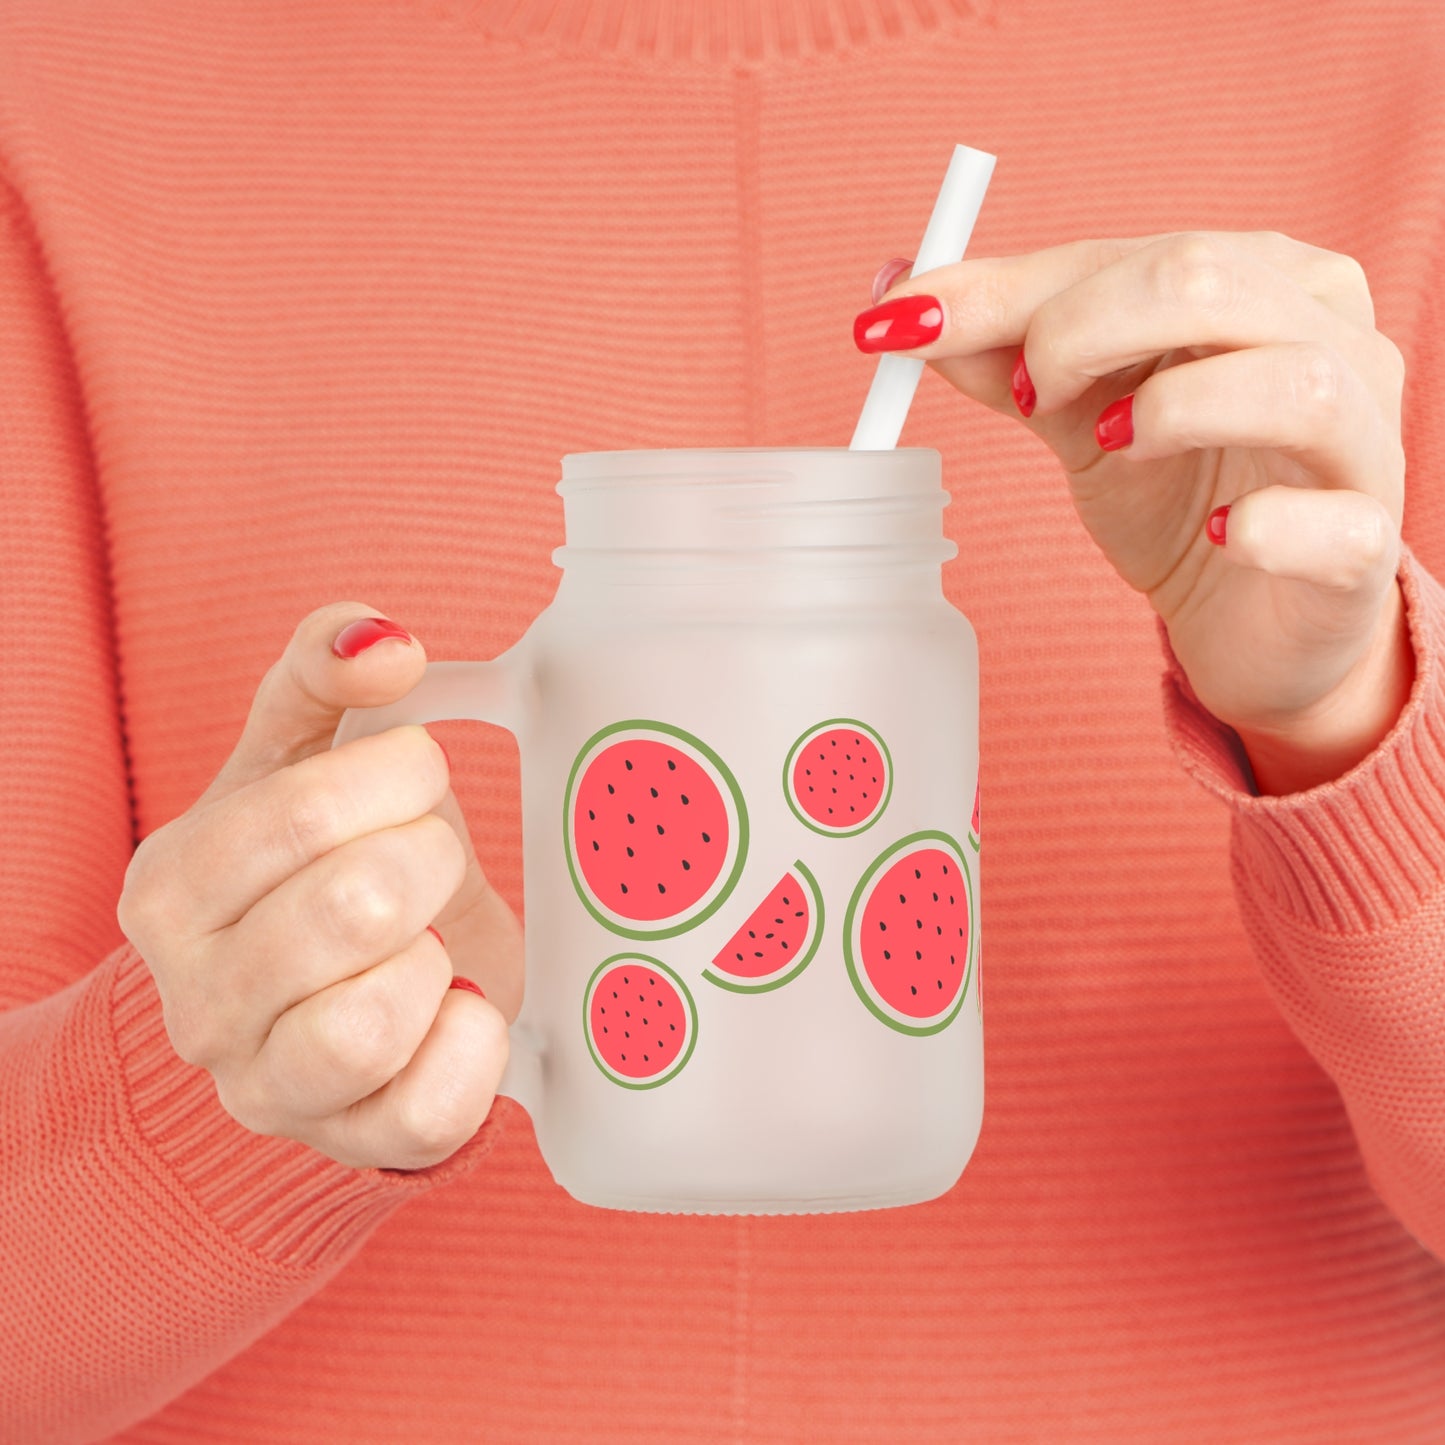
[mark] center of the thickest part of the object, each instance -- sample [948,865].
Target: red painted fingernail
[460,982]
[436,935]
[365,632]
[899,325]
[1115,426]
[1215,525]
[1023,388]
[888,273]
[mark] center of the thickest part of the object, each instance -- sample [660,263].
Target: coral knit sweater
[302,302]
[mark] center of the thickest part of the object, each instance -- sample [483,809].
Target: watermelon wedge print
[838,777]
[640,1020]
[656,829]
[974,835]
[778,939]
[908,934]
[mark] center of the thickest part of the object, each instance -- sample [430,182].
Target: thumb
[341,656]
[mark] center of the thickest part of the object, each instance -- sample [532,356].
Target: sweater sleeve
[1341,889]
[145,1236]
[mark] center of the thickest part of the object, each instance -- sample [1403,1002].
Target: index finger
[235,850]
[988,301]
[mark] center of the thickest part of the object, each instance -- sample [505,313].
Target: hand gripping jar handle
[490,692]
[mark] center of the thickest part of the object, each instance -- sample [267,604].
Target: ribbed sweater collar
[717,30]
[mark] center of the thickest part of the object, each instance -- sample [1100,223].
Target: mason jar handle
[490,692]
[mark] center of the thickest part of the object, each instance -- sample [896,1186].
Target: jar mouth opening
[743,465]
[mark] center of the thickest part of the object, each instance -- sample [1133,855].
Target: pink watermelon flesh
[839,778]
[638,1021]
[649,829]
[913,944]
[774,936]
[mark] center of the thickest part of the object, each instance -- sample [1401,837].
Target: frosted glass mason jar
[748,730]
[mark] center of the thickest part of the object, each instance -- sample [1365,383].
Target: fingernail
[365,632]
[436,935]
[460,982]
[1115,426]
[1023,388]
[888,273]
[1215,525]
[899,325]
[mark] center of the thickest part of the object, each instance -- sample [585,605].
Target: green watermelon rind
[736,985]
[669,929]
[802,739]
[683,991]
[860,892]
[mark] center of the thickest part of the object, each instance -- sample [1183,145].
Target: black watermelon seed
[630,853]
[673,1027]
[886,954]
[610,788]
[917,954]
[614,993]
[945,867]
[646,1058]
[912,988]
[592,815]
[602,1008]
[661,888]
[902,899]
[758,953]
[935,898]
[627,1013]
[751,934]
[624,888]
[686,865]
[605,1029]
[918,922]
[940,983]
[785,943]
[883,927]
[672,766]
[653,791]
[683,796]
[624,1058]
[627,765]
[917,874]
[833,741]
[706,839]
[596,847]
[938,928]
[740,958]
[659,830]
[630,818]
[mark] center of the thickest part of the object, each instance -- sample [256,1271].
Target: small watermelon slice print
[778,940]
[640,1020]
[838,777]
[656,829]
[973,832]
[908,934]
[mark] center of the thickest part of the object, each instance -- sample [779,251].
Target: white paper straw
[944,241]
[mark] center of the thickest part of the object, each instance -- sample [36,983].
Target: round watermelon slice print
[778,939]
[838,777]
[640,1020]
[973,833]
[656,829]
[908,933]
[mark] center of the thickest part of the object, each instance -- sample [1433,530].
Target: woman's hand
[286,917]
[1229,421]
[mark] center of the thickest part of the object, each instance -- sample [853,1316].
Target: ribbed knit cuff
[1362,851]
[285,1201]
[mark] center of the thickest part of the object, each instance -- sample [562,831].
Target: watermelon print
[908,933]
[974,836]
[656,829]
[640,1020]
[778,940]
[838,777]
